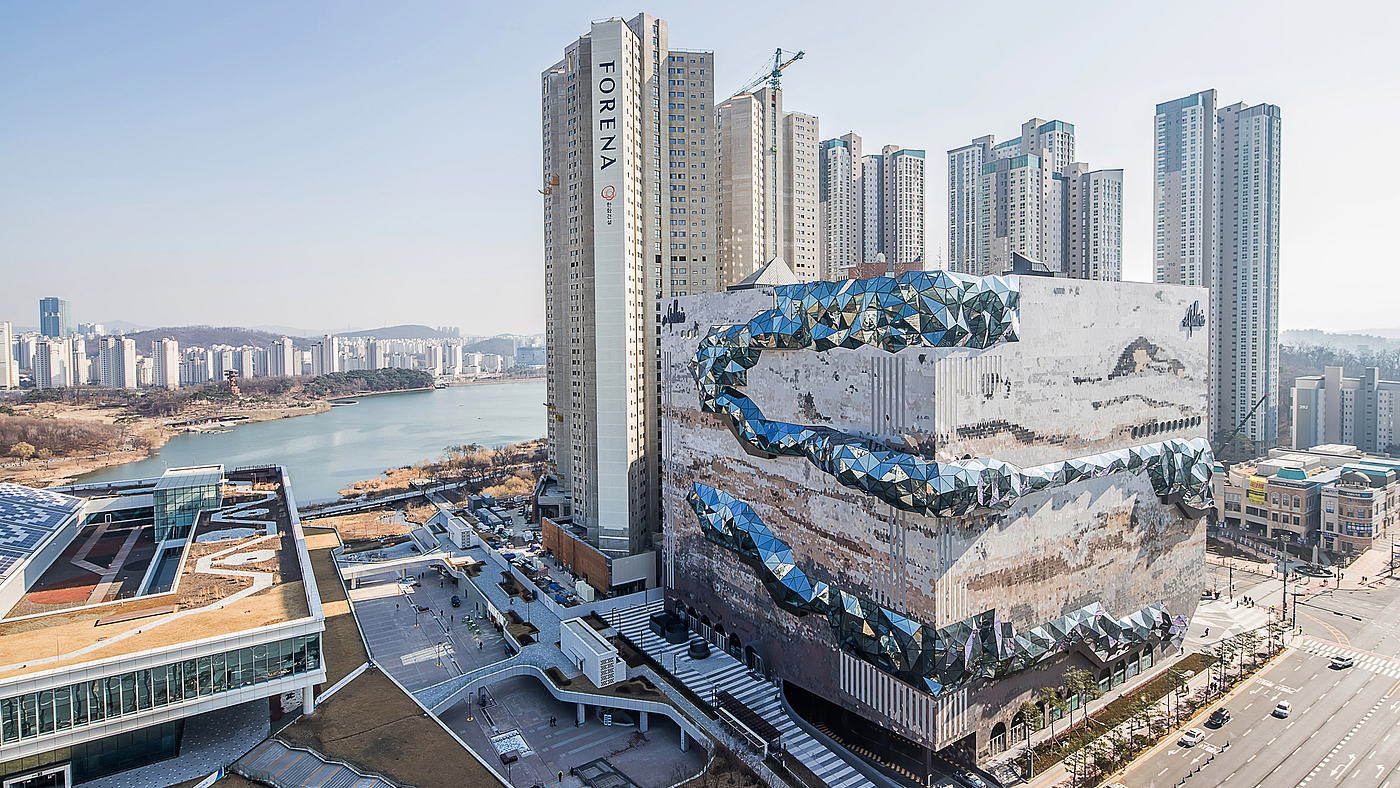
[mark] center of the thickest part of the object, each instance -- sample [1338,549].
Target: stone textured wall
[1096,361]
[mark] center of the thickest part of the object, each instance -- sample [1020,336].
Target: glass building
[181,494]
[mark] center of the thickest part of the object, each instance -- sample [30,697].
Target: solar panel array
[27,518]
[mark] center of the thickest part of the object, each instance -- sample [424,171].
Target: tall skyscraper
[1217,207]
[629,209]
[1027,196]
[165,370]
[872,209]
[55,317]
[769,191]
[9,365]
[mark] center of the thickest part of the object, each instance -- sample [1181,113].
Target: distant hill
[206,336]
[501,346]
[1356,343]
[400,332]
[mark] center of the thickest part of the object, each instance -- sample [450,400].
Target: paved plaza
[423,649]
[652,760]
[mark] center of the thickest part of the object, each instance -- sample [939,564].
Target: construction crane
[773,78]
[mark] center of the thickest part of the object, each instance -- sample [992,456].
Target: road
[1344,725]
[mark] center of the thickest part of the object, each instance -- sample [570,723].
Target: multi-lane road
[1344,727]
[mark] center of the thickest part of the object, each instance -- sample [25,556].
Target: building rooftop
[115,591]
[195,476]
[29,519]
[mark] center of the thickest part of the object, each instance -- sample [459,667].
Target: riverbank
[142,435]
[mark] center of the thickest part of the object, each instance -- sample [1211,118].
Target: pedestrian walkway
[1222,619]
[1365,660]
[277,764]
[722,673]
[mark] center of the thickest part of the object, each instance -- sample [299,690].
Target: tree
[1081,682]
[1033,717]
[1050,698]
[22,450]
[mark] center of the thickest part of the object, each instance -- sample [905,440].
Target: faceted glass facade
[926,310]
[935,660]
[917,309]
[38,714]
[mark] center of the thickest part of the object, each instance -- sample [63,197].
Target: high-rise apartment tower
[872,208]
[1028,196]
[9,365]
[768,187]
[1217,208]
[629,204]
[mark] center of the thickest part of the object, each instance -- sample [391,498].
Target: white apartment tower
[902,200]
[769,196]
[840,203]
[165,370]
[629,208]
[52,363]
[9,366]
[282,359]
[1028,196]
[117,362]
[871,205]
[1093,218]
[1217,209]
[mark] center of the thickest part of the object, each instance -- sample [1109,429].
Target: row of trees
[361,381]
[24,437]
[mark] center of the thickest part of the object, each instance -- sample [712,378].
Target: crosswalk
[1372,662]
[734,677]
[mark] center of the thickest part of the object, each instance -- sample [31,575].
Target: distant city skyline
[265,164]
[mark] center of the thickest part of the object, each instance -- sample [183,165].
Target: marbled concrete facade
[1099,366]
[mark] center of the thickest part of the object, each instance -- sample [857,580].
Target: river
[325,452]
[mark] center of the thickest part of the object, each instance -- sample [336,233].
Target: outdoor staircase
[275,763]
[735,678]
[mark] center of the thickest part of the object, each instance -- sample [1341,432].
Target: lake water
[326,452]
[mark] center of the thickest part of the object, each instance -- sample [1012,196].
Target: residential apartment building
[117,362]
[769,188]
[1029,196]
[53,363]
[872,209]
[55,317]
[630,196]
[165,364]
[283,360]
[9,365]
[1217,208]
[1333,408]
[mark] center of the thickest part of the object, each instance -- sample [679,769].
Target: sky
[333,165]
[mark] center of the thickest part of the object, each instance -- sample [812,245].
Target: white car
[1283,709]
[1342,663]
[1192,737]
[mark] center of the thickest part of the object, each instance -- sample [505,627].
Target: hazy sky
[324,165]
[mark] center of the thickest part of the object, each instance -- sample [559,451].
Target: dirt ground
[147,431]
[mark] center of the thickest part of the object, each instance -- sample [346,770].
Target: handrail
[237,767]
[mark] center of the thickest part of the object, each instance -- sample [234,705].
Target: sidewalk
[1370,565]
[1016,752]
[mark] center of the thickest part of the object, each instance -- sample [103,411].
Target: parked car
[1192,737]
[1283,709]
[1342,663]
[1218,718]
[456,601]
[972,779]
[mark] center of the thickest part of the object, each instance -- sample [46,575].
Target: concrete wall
[1095,361]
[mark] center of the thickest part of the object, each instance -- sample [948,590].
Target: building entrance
[49,777]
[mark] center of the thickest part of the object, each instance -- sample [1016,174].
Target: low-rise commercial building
[116,631]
